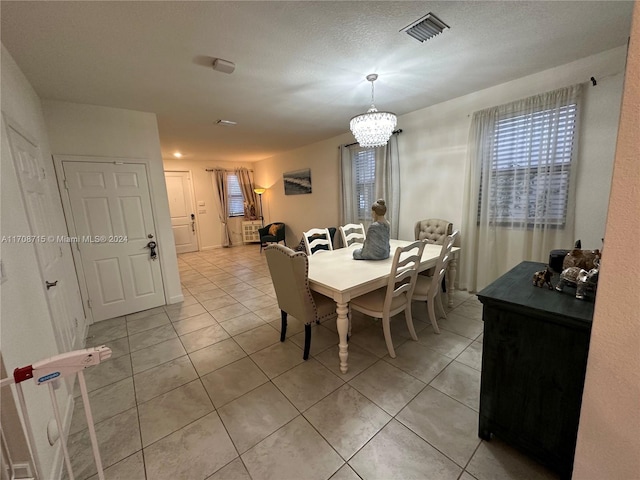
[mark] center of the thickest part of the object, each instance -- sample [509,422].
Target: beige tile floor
[205,390]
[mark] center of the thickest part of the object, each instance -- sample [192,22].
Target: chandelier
[373,128]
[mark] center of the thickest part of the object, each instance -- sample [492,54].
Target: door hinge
[89,302]
[66,185]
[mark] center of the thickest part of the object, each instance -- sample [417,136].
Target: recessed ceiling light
[177,155]
[226,123]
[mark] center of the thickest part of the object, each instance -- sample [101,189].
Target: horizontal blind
[364,167]
[530,166]
[235,198]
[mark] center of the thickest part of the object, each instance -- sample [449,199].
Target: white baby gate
[47,371]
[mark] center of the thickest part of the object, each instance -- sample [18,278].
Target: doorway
[182,209]
[111,223]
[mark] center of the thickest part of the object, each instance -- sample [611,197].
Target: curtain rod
[395,132]
[225,169]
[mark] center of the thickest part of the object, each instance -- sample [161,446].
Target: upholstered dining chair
[388,301]
[272,233]
[290,275]
[427,289]
[352,233]
[433,230]
[317,240]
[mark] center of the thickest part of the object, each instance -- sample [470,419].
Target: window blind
[364,167]
[530,165]
[235,197]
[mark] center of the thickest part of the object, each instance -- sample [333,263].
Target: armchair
[272,233]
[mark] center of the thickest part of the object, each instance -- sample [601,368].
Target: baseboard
[176,299]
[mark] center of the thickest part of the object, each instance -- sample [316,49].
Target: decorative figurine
[376,244]
[543,277]
[579,277]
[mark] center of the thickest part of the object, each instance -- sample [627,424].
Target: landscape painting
[298,182]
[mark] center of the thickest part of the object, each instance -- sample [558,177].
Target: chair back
[433,230]
[404,270]
[352,233]
[290,276]
[443,259]
[316,240]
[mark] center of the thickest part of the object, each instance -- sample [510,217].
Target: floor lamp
[260,191]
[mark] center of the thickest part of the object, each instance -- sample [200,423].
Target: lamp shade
[259,190]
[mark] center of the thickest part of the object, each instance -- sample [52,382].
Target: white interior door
[54,256]
[183,217]
[113,220]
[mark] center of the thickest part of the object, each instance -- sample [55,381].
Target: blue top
[376,244]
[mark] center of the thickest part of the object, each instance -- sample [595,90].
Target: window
[235,198]
[364,166]
[530,162]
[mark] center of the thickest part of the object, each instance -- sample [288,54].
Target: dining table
[337,275]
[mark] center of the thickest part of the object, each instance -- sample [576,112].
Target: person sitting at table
[376,244]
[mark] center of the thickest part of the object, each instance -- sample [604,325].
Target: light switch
[202,210]
[201,203]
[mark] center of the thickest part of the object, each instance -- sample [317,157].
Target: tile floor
[205,390]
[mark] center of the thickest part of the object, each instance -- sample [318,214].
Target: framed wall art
[297,182]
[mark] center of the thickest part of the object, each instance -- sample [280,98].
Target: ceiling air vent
[426,27]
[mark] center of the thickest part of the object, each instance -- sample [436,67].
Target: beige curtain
[385,184]
[246,185]
[520,187]
[219,178]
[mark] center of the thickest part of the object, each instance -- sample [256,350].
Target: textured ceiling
[300,66]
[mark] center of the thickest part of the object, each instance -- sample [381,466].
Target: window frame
[232,196]
[364,188]
[543,121]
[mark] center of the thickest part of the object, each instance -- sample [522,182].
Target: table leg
[343,326]
[452,269]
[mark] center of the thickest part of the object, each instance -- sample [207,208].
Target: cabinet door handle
[50,284]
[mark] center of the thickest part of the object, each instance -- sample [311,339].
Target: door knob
[50,284]
[152,246]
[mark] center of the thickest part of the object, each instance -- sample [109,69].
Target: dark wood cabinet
[534,360]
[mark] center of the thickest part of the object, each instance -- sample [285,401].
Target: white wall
[27,331]
[433,154]
[320,208]
[208,223]
[608,436]
[433,146]
[88,130]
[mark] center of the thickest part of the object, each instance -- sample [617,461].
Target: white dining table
[337,275]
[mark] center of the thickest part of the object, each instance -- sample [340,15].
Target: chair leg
[307,341]
[386,328]
[432,315]
[440,306]
[409,318]
[283,327]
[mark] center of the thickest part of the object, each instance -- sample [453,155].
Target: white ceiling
[300,66]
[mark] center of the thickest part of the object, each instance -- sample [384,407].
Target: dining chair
[427,288]
[317,240]
[290,276]
[396,297]
[433,230]
[352,233]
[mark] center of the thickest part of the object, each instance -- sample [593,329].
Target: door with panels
[115,233]
[53,254]
[181,208]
